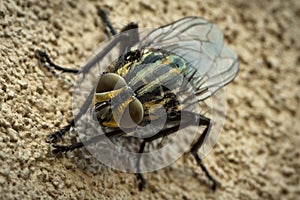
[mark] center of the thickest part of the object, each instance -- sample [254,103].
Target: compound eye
[132,115]
[109,82]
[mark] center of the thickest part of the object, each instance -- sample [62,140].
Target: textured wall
[257,155]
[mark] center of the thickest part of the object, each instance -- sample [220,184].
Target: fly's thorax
[151,68]
[115,103]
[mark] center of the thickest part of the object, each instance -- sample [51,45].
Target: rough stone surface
[257,155]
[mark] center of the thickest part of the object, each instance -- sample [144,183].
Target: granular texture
[257,154]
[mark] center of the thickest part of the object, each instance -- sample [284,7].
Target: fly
[150,94]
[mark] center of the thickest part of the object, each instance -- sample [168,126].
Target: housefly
[143,99]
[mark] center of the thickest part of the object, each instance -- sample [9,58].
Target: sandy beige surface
[257,155]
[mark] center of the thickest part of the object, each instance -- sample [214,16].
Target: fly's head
[115,103]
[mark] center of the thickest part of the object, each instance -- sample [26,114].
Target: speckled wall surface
[257,155]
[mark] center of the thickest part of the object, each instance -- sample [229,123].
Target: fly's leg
[77,145]
[54,137]
[126,42]
[140,178]
[109,29]
[195,148]
[65,148]
[215,183]
[203,121]
[129,32]
[44,58]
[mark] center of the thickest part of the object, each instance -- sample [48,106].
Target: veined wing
[200,43]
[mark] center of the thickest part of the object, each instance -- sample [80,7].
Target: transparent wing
[200,43]
[222,72]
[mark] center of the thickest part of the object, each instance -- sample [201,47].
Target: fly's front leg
[54,137]
[77,145]
[197,145]
[44,59]
[129,37]
[62,149]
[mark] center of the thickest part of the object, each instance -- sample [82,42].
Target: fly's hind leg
[197,145]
